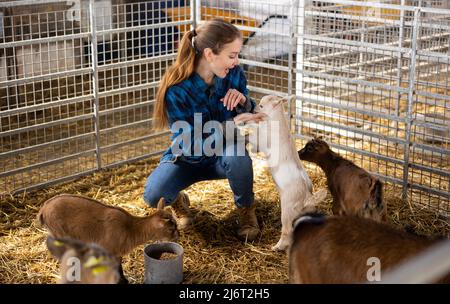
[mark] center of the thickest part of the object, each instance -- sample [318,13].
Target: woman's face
[227,59]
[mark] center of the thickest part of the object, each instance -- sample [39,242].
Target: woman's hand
[245,117]
[232,99]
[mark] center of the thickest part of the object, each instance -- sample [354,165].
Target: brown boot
[181,207]
[249,224]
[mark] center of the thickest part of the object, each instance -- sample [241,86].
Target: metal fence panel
[373,76]
[78,81]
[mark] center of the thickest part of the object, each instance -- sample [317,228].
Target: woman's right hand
[245,117]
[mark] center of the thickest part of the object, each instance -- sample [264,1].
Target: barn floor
[213,254]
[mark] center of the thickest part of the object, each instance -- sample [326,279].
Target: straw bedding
[213,254]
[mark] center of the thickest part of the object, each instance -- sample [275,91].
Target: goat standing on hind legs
[272,137]
[354,190]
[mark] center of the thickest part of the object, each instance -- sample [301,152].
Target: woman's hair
[213,34]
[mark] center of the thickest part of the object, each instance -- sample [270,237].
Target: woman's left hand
[232,99]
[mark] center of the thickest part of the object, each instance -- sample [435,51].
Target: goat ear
[57,247]
[161,204]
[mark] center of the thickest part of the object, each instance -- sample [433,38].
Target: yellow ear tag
[58,243]
[99,269]
[93,261]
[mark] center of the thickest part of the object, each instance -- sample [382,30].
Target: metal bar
[409,118]
[44,145]
[140,61]
[292,29]
[354,81]
[134,159]
[46,124]
[95,85]
[264,65]
[127,107]
[143,86]
[43,40]
[194,15]
[8,4]
[128,125]
[133,141]
[354,45]
[51,76]
[440,172]
[347,106]
[400,64]
[266,91]
[45,105]
[53,181]
[435,149]
[142,27]
[352,131]
[429,190]
[300,65]
[46,163]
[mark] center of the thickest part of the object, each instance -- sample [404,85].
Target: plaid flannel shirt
[194,97]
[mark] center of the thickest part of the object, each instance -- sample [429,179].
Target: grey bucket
[163,271]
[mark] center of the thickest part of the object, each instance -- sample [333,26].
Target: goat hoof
[279,247]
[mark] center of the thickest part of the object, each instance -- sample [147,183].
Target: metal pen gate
[78,80]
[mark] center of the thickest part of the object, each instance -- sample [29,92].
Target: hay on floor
[213,254]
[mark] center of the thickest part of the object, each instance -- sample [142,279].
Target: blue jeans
[169,178]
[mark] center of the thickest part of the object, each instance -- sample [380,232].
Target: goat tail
[308,220]
[40,219]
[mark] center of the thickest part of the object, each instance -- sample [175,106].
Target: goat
[83,263]
[338,249]
[292,181]
[354,190]
[111,227]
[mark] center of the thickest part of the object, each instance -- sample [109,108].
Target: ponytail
[179,71]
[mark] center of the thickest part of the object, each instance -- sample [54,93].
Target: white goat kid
[272,137]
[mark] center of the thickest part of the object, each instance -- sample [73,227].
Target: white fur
[293,183]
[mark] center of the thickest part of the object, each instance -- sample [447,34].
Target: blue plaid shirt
[194,97]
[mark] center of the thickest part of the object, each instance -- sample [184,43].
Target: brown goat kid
[83,263]
[111,227]
[354,190]
[336,250]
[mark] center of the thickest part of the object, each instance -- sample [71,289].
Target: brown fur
[336,249]
[111,227]
[354,190]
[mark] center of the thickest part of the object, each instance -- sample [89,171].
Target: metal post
[195,13]
[399,64]
[95,88]
[411,95]
[292,30]
[299,66]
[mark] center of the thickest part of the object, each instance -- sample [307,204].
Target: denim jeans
[169,178]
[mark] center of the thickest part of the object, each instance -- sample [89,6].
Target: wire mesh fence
[374,80]
[78,81]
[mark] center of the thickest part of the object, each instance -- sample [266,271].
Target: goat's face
[84,263]
[268,104]
[164,226]
[314,150]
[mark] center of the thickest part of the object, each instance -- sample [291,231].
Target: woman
[204,85]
